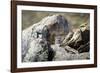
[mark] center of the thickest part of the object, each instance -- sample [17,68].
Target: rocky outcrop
[78,40]
[51,40]
[36,39]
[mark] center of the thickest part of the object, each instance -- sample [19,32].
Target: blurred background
[74,19]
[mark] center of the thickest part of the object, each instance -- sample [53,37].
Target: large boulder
[37,38]
[50,40]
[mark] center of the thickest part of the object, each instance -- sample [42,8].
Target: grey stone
[36,38]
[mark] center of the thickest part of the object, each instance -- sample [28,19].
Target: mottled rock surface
[33,38]
[78,40]
[51,40]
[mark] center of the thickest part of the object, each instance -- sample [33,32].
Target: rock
[60,53]
[39,34]
[50,40]
[85,55]
[64,53]
[84,48]
[36,52]
[79,40]
[56,24]
[66,39]
[39,50]
[75,39]
[68,53]
[85,33]
[71,50]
